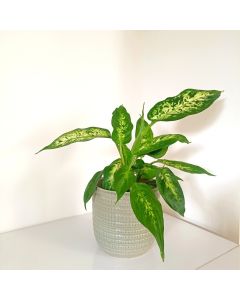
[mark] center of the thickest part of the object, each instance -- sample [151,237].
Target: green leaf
[144,129]
[148,211]
[178,178]
[91,187]
[158,153]
[160,142]
[108,174]
[186,167]
[78,135]
[148,171]
[139,163]
[188,102]
[143,133]
[171,190]
[122,126]
[123,180]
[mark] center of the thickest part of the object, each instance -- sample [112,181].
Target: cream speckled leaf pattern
[123,179]
[148,171]
[122,126]
[116,227]
[186,167]
[78,135]
[148,211]
[108,174]
[188,102]
[171,190]
[160,142]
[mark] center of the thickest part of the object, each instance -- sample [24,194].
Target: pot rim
[114,192]
[108,191]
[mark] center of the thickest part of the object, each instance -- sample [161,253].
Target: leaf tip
[162,255]
[39,151]
[210,174]
[85,203]
[119,196]
[182,213]
[143,108]
[185,140]
[45,148]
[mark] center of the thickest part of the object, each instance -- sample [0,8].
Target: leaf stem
[154,162]
[121,154]
[152,123]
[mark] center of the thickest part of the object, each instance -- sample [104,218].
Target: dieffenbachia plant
[129,172]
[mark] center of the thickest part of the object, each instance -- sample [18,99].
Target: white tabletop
[70,244]
[227,261]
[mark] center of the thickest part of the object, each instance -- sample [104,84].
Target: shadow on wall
[230,211]
[190,125]
[185,152]
[201,121]
[229,229]
[197,197]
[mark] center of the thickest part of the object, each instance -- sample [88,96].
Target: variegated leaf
[108,174]
[78,135]
[148,211]
[91,187]
[171,190]
[148,171]
[188,102]
[160,142]
[122,126]
[123,179]
[186,167]
[178,178]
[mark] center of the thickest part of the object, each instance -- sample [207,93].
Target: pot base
[123,253]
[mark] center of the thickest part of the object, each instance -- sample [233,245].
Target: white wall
[52,82]
[170,61]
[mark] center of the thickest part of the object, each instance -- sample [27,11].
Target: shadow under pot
[116,228]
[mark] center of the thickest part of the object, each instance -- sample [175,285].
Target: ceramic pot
[116,229]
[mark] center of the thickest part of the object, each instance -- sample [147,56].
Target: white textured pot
[116,228]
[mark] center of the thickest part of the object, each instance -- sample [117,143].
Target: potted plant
[127,214]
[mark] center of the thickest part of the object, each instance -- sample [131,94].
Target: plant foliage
[129,172]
